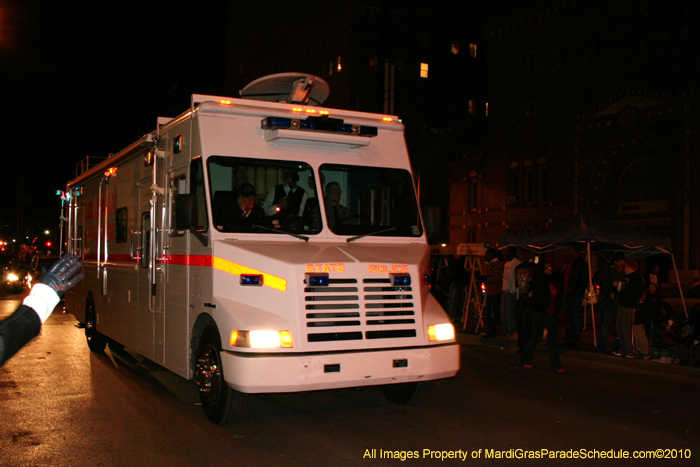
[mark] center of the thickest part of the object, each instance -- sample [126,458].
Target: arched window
[645,179]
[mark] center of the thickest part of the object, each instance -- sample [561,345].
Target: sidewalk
[586,351]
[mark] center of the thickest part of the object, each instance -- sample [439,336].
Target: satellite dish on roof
[293,88]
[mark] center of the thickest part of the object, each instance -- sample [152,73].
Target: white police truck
[299,298]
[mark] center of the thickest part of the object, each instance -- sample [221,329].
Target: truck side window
[122,220]
[197,188]
[177,186]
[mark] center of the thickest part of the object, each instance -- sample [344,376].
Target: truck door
[145,321]
[177,272]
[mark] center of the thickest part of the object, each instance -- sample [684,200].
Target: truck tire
[408,393]
[222,404]
[96,341]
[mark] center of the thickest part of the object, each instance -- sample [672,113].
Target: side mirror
[187,215]
[186,212]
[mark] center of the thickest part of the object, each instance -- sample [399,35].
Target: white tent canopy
[596,233]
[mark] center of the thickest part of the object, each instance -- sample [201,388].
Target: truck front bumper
[259,373]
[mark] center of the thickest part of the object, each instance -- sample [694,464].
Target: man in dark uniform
[25,323]
[286,199]
[247,212]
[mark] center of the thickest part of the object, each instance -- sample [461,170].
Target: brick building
[593,105]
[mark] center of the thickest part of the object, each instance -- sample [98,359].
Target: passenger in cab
[287,198]
[335,212]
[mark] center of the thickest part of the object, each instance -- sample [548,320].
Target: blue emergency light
[251,279]
[317,280]
[270,123]
[400,280]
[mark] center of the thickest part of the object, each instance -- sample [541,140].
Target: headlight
[441,332]
[12,277]
[262,339]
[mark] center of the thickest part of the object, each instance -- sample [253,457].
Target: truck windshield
[370,200]
[255,195]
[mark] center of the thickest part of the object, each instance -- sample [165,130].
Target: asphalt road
[60,405]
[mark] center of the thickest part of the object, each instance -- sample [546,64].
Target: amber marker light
[225,102]
[388,119]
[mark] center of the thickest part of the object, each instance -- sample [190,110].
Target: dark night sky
[84,78]
[91,80]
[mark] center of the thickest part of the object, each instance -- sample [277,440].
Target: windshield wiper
[352,239]
[302,237]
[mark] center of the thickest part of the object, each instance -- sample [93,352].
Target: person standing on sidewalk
[629,293]
[493,282]
[607,301]
[574,279]
[509,296]
[545,315]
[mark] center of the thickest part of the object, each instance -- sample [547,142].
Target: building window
[470,107]
[455,47]
[529,182]
[542,185]
[330,67]
[487,109]
[340,67]
[423,70]
[472,50]
[472,190]
[514,183]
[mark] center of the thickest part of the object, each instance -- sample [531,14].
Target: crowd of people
[526,299]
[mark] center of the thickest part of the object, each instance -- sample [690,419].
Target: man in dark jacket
[545,310]
[629,293]
[574,280]
[493,282]
[25,323]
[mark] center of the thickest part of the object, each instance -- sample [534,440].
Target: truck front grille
[383,311]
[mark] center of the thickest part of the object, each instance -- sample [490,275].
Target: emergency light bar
[324,124]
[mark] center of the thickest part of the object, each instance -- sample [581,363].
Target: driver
[248,212]
[335,212]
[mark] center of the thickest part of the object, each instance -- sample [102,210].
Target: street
[64,406]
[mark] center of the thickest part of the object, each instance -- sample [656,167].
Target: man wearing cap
[248,212]
[628,293]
